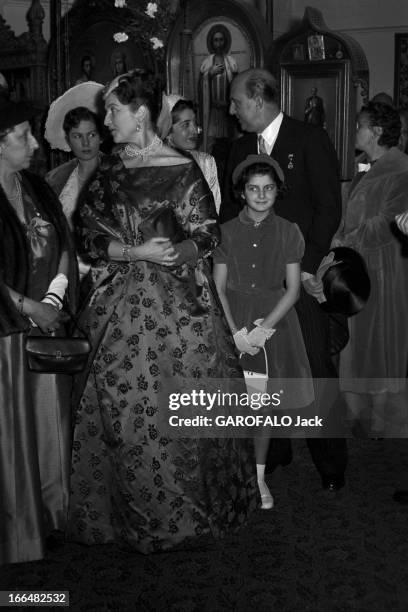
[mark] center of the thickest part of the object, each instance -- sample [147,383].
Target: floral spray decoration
[147,23]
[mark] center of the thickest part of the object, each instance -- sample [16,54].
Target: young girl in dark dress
[257,274]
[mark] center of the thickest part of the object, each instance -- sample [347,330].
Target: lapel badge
[290,161]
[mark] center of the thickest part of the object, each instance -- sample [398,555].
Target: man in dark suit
[313,201]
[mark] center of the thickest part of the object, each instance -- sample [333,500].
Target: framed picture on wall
[401,70]
[89,60]
[218,38]
[319,95]
[315,46]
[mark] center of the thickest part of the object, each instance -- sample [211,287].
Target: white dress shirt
[271,132]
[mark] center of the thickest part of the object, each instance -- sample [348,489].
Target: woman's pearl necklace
[132,150]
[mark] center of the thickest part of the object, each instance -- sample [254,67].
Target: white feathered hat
[88,94]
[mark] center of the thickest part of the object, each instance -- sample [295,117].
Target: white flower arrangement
[151,9]
[156,43]
[149,25]
[120,37]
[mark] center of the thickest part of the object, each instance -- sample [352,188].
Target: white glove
[402,222]
[259,335]
[326,263]
[56,291]
[242,344]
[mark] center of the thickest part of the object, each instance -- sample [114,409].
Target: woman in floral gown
[152,317]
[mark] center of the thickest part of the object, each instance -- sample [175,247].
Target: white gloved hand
[402,222]
[242,344]
[259,335]
[326,263]
[56,291]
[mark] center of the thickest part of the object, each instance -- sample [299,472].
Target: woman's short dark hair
[262,169]
[179,107]
[346,284]
[139,87]
[386,117]
[74,117]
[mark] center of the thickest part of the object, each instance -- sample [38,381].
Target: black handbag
[58,354]
[162,222]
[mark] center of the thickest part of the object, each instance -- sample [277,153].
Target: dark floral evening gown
[148,323]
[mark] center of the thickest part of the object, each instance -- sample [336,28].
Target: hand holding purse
[58,354]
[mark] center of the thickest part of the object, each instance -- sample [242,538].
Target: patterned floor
[315,552]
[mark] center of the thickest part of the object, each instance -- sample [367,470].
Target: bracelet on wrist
[54,296]
[52,302]
[53,299]
[126,252]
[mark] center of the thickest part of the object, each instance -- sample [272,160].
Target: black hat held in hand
[346,284]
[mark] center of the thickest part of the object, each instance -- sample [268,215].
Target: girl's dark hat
[13,113]
[252,159]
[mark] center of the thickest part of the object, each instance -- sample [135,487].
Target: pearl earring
[138,127]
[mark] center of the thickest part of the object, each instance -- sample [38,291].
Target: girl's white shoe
[267,501]
[266,497]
